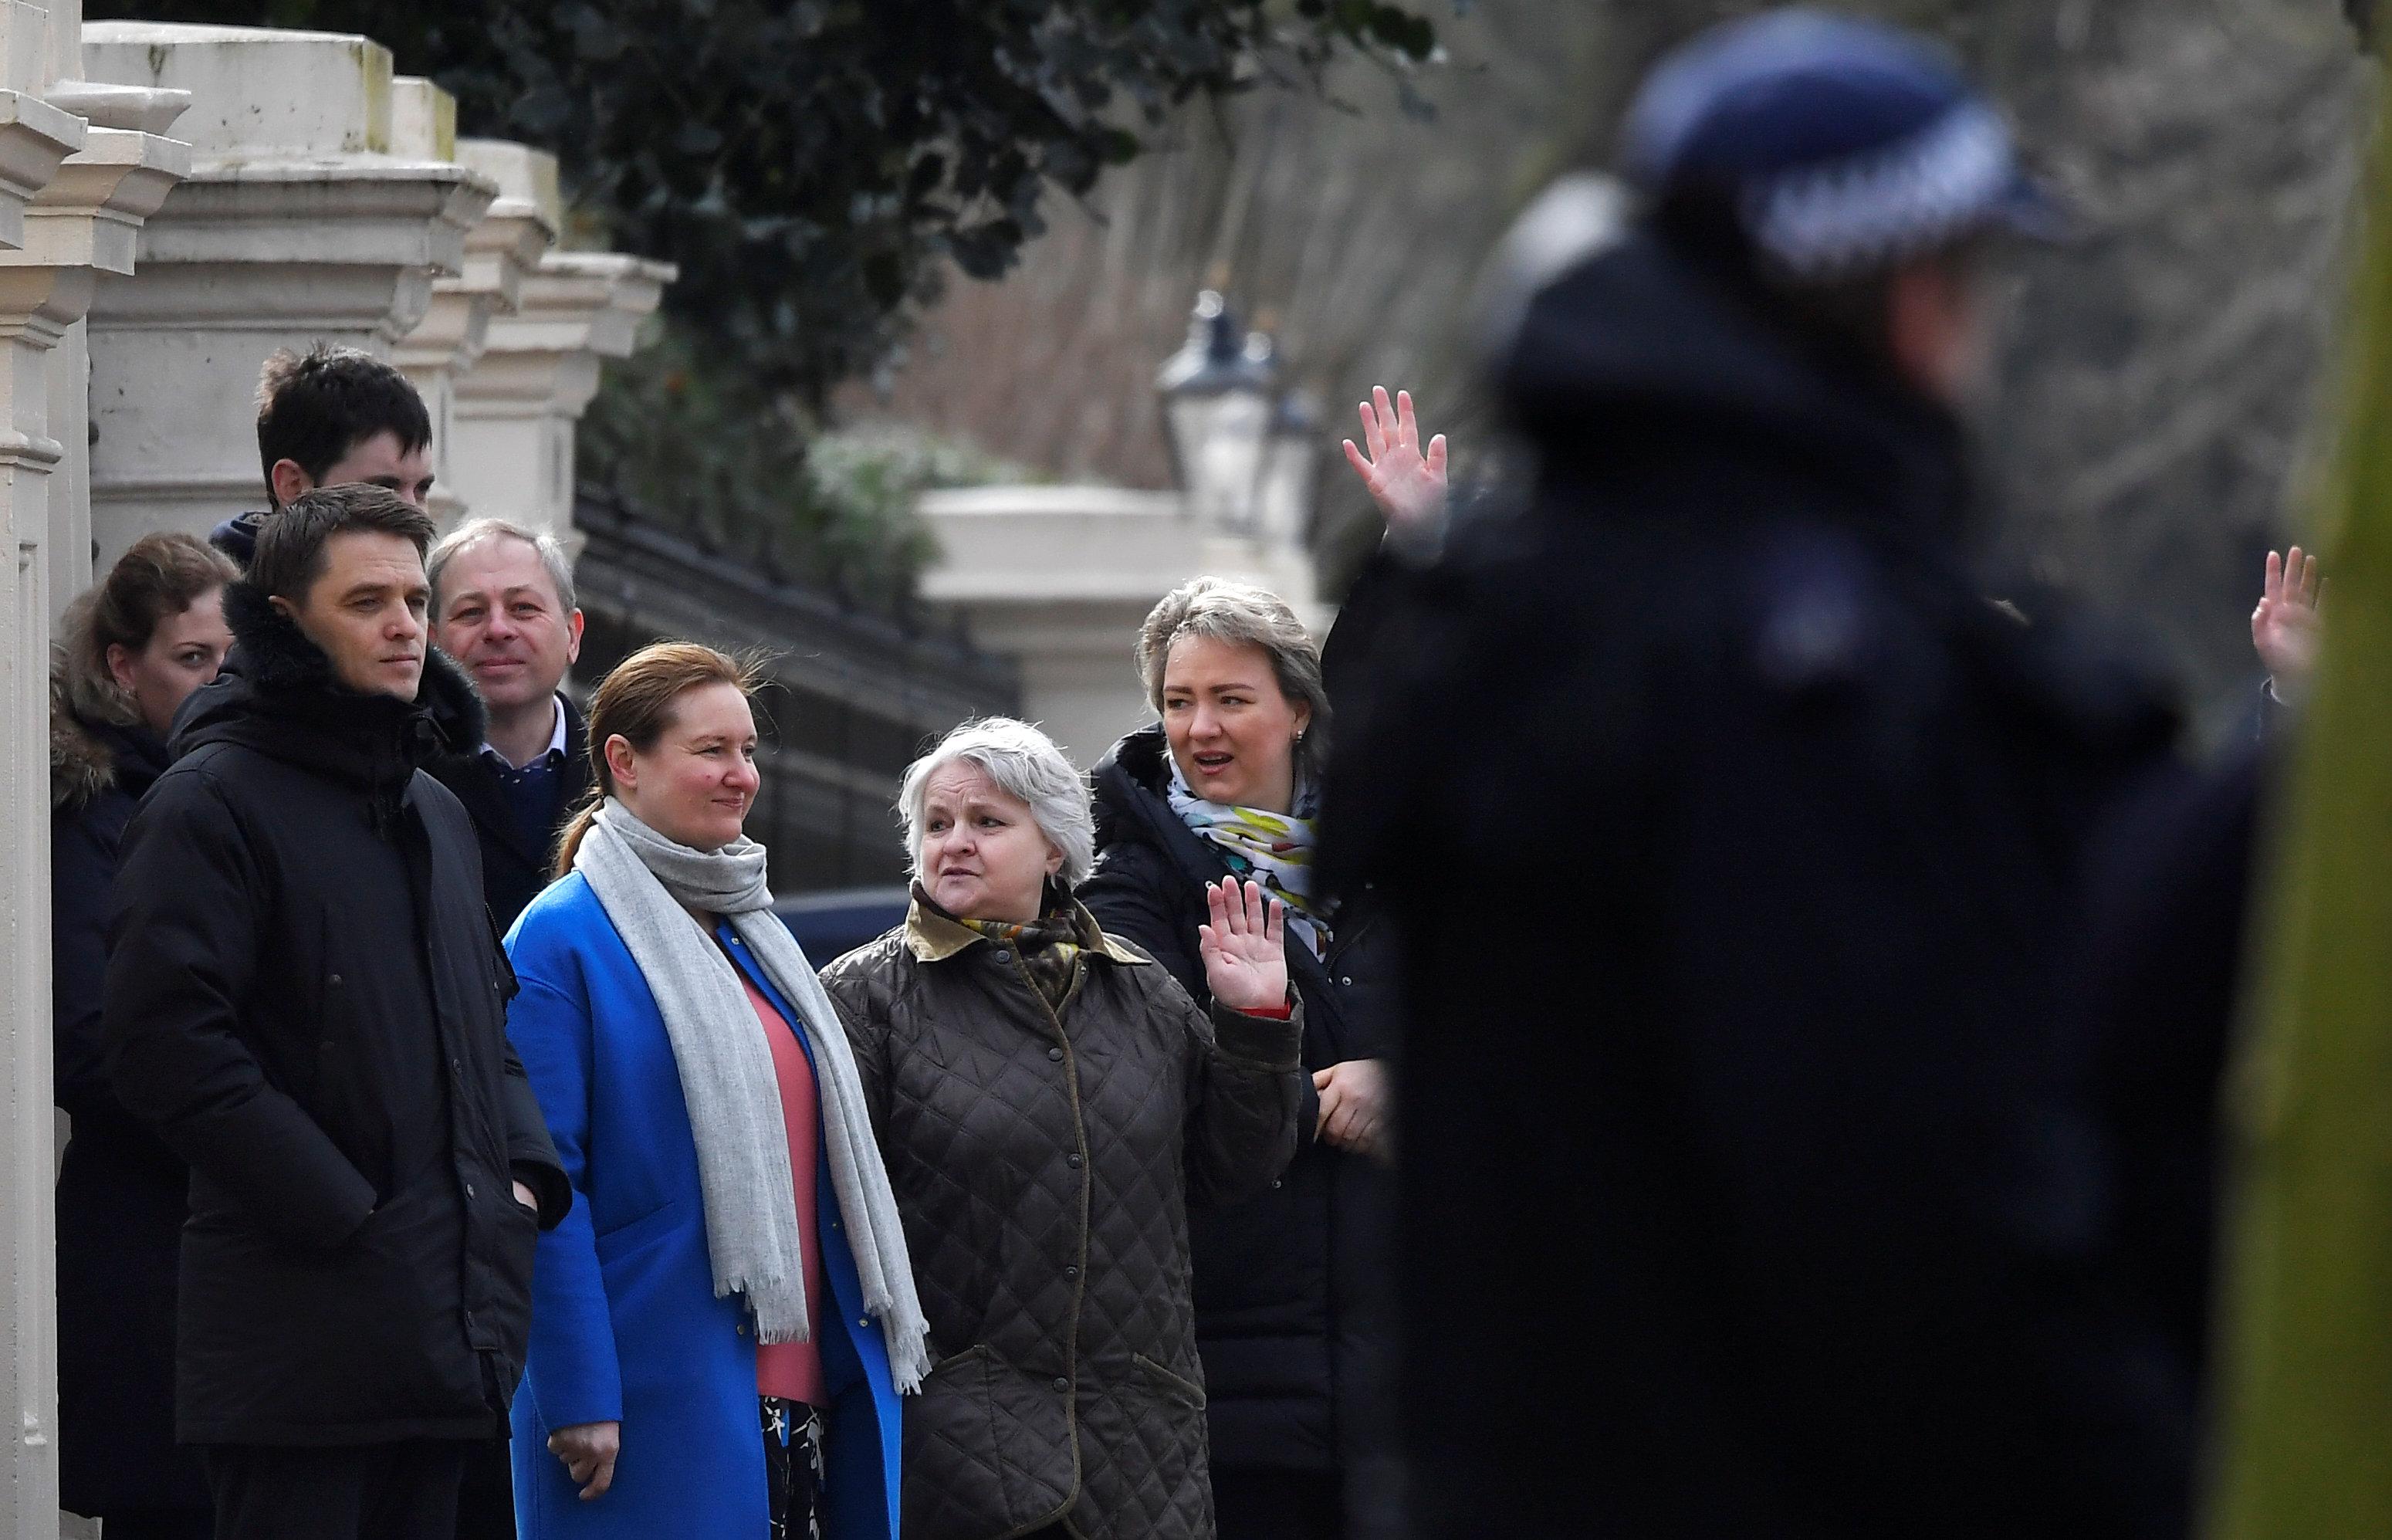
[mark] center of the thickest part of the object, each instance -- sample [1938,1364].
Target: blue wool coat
[625,1322]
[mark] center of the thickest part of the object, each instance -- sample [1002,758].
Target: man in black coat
[1750,1188]
[502,607]
[305,998]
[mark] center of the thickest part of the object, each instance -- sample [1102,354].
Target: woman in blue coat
[722,1325]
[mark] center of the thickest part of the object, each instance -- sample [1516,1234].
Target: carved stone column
[298,224]
[500,253]
[72,200]
[516,412]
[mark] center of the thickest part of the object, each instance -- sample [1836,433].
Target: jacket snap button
[469,1188]
[1070,1272]
[1073,1159]
[1003,955]
[334,980]
[1348,981]
[1062,1384]
[1055,1054]
[742,1328]
[1276,1184]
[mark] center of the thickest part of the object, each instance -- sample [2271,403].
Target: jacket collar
[934,936]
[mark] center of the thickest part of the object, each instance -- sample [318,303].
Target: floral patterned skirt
[793,1467]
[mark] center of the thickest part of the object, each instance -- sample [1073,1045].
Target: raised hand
[1405,478]
[2286,626]
[1244,947]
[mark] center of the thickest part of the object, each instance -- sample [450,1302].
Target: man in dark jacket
[328,417]
[305,998]
[1750,1189]
[502,607]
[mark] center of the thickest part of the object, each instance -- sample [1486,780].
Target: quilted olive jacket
[1044,1161]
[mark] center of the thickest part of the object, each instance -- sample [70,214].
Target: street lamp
[1219,399]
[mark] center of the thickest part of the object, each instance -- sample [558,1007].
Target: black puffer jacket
[1750,1188]
[120,1192]
[1295,1289]
[1045,1163]
[306,999]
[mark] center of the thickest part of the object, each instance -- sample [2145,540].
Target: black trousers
[486,1504]
[369,1492]
[1251,1502]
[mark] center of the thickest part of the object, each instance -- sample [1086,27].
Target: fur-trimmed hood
[279,696]
[87,758]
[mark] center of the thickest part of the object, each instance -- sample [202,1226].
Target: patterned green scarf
[1049,947]
[1274,849]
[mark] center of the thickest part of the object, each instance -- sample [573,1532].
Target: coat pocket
[1171,1383]
[986,1451]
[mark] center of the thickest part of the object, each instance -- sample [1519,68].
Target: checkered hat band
[1859,214]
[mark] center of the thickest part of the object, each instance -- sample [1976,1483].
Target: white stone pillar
[62,219]
[34,137]
[516,412]
[500,253]
[298,224]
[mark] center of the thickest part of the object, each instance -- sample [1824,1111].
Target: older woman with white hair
[1048,1104]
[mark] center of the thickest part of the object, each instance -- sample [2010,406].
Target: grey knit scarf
[647,885]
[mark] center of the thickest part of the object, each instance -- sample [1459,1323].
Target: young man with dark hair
[305,998]
[1763,1192]
[325,418]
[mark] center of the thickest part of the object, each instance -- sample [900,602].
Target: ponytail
[568,844]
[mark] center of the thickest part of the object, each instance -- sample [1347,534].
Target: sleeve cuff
[548,1184]
[1274,1043]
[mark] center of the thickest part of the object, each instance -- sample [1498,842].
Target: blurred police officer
[1752,1190]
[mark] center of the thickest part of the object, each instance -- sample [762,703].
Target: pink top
[793,1371]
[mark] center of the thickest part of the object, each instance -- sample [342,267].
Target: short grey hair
[1024,762]
[553,558]
[1239,613]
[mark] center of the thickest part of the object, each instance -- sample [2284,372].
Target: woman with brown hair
[721,1326]
[132,650]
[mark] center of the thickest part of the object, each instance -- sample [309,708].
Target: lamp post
[1219,401]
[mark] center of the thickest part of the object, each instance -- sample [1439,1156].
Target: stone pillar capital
[514,414]
[321,206]
[35,139]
